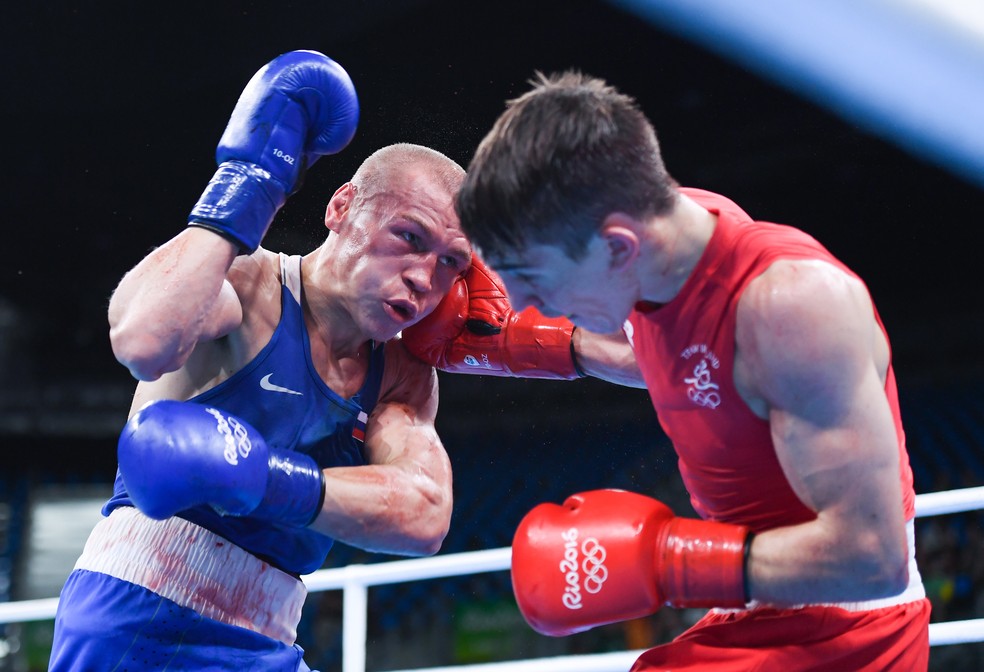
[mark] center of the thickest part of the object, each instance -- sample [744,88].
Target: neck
[328,318]
[673,246]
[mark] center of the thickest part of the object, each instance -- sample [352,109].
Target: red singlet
[686,351]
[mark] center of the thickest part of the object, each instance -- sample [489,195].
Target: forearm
[608,357]
[822,562]
[385,509]
[170,300]
[400,501]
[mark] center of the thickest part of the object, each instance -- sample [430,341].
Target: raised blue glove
[298,107]
[174,455]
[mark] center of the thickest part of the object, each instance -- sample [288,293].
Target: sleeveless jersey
[281,394]
[686,351]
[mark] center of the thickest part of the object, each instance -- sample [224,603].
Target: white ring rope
[949,501]
[354,580]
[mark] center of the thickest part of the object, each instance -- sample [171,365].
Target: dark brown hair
[561,158]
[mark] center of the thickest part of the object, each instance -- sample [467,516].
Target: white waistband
[197,569]
[913,592]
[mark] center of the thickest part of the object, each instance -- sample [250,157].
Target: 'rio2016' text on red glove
[609,555]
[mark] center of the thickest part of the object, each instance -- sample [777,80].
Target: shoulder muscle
[805,331]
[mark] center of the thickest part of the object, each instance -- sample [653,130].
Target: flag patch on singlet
[359,430]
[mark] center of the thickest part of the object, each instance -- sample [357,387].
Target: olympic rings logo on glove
[595,572]
[237,443]
[593,567]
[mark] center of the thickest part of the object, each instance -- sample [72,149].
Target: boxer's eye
[411,238]
[451,262]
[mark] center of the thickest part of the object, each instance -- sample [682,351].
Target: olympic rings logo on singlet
[701,389]
[237,443]
[592,566]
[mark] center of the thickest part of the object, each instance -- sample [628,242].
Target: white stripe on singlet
[197,569]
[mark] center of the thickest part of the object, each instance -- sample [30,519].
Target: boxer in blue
[276,408]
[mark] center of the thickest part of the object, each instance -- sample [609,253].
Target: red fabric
[810,639]
[685,349]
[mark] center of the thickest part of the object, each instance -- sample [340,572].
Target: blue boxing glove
[174,455]
[298,107]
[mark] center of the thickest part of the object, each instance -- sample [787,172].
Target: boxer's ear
[339,206]
[621,240]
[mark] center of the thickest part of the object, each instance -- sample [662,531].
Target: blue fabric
[105,625]
[317,422]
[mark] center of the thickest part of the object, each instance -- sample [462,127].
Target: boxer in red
[767,365]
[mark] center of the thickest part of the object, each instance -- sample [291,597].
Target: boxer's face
[400,252]
[586,291]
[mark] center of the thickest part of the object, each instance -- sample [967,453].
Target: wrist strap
[746,551]
[239,203]
[577,367]
[701,563]
[295,489]
[534,346]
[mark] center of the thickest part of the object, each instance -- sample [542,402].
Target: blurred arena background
[860,121]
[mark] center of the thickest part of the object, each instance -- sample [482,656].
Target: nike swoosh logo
[267,385]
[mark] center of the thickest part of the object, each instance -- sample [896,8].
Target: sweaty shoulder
[408,381]
[803,325]
[255,279]
[254,276]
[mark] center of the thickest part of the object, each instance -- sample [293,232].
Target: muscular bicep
[811,352]
[407,404]
[175,297]
[225,316]
[841,459]
[401,500]
[402,434]
[809,343]
[808,337]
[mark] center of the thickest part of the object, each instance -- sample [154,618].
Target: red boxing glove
[610,555]
[475,330]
